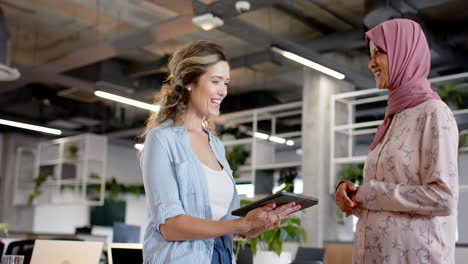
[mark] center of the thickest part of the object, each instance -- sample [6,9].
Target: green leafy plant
[463,142]
[273,240]
[114,190]
[113,209]
[4,228]
[38,181]
[71,152]
[352,173]
[233,131]
[236,157]
[287,176]
[450,95]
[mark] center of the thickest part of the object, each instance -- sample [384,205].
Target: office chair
[21,247]
[245,255]
[306,255]
[124,233]
[2,246]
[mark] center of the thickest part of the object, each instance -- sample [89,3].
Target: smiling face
[378,64]
[207,94]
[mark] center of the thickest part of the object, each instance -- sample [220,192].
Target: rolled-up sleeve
[160,181]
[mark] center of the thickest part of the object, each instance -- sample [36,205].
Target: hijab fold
[409,64]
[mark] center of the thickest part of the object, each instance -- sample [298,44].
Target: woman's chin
[213,114]
[381,86]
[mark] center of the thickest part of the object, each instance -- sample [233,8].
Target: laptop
[125,253]
[66,252]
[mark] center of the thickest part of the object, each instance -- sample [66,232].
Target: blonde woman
[188,182]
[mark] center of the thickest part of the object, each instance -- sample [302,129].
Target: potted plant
[268,247]
[4,228]
[71,152]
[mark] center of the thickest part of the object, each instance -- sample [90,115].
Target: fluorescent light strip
[257,135]
[31,127]
[139,146]
[128,101]
[275,139]
[309,63]
[261,135]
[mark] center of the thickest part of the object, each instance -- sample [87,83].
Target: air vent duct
[6,72]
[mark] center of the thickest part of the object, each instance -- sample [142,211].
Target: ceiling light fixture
[128,101]
[256,134]
[308,63]
[139,146]
[275,139]
[261,135]
[30,127]
[207,21]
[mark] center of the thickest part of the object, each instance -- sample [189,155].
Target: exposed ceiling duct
[6,72]
[112,75]
[378,11]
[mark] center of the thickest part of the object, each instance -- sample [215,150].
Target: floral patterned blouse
[410,192]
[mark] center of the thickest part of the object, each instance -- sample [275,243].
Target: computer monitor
[124,253]
[70,252]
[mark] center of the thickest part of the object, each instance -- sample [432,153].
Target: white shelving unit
[262,150]
[73,165]
[352,129]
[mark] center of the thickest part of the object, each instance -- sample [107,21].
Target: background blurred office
[76,85]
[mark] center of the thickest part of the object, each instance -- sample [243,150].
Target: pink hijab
[409,63]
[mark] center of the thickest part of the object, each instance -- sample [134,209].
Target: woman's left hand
[275,217]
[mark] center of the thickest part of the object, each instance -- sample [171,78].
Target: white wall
[123,164]
[60,219]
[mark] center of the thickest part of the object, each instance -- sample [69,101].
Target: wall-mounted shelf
[261,144]
[73,163]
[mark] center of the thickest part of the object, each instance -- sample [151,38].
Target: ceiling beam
[157,66]
[262,38]
[154,33]
[378,11]
[305,18]
[352,39]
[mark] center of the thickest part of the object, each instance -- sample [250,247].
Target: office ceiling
[66,49]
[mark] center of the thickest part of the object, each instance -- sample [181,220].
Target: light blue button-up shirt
[175,184]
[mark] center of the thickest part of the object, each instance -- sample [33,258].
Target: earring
[189,88]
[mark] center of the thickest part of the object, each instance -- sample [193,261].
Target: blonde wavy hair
[185,67]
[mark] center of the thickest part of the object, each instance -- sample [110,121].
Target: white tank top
[221,191]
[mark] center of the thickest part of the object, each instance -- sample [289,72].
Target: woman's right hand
[343,195]
[267,217]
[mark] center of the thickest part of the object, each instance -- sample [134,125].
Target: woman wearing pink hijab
[407,205]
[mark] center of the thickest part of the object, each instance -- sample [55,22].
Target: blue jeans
[221,254]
